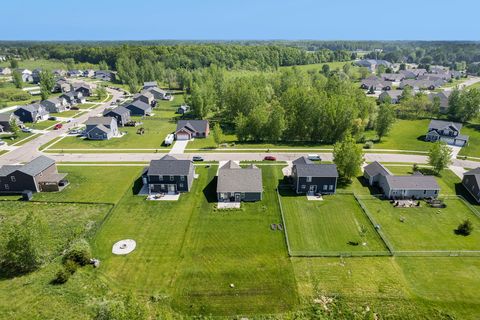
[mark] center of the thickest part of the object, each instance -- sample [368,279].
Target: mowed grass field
[157,127]
[335,225]
[191,253]
[424,227]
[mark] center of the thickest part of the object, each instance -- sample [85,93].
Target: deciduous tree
[348,157]
[439,156]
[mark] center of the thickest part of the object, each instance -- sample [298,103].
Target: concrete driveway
[179,147]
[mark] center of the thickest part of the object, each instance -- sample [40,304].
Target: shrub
[61,277]
[368,145]
[464,228]
[79,252]
[70,266]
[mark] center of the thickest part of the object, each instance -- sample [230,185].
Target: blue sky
[239,19]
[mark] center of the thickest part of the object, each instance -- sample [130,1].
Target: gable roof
[306,168]
[100,127]
[150,84]
[415,182]
[233,178]
[375,168]
[144,93]
[99,121]
[192,125]
[170,166]
[140,105]
[34,107]
[32,168]
[120,110]
[5,117]
[440,124]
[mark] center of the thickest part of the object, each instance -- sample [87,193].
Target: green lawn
[425,228]
[49,64]
[66,114]
[155,132]
[203,251]
[9,139]
[404,135]
[89,184]
[331,226]
[473,147]
[42,125]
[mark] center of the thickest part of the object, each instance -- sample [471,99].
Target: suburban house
[59,73]
[372,64]
[446,131]
[55,105]
[312,178]
[139,108]
[38,175]
[121,114]
[183,109]
[412,73]
[415,186]
[101,128]
[471,182]
[392,77]
[32,113]
[420,84]
[83,88]
[150,84]
[5,71]
[61,85]
[104,75]
[158,94]
[145,97]
[235,184]
[443,99]
[376,84]
[89,73]
[189,129]
[394,95]
[169,175]
[6,121]
[74,73]
[25,74]
[36,75]
[73,97]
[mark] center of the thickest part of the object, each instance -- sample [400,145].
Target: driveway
[179,147]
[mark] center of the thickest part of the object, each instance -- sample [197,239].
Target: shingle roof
[32,168]
[375,168]
[120,110]
[305,169]
[5,117]
[196,125]
[233,178]
[140,105]
[169,165]
[412,182]
[98,121]
[150,84]
[440,124]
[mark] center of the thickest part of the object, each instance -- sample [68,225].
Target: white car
[314,157]
[27,130]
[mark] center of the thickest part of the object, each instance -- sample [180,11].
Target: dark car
[270,158]
[197,158]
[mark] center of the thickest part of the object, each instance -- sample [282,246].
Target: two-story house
[446,131]
[169,175]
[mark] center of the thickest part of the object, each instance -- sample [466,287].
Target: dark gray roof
[440,124]
[145,93]
[7,169]
[415,182]
[315,170]
[99,120]
[302,160]
[140,105]
[475,171]
[193,125]
[118,110]
[100,127]
[375,168]
[32,168]
[31,107]
[233,178]
[170,166]
[150,84]
[5,117]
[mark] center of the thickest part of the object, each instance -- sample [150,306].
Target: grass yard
[42,125]
[425,228]
[327,227]
[473,147]
[203,251]
[66,114]
[155,132]
[48,64]
[9,139]
[88,184]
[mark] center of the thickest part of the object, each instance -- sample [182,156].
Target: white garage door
[183,136]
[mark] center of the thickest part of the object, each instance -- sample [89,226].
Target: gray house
[101,128]
[443,99]
[415,186]
[104,75]
[83,88]
[376,84]
[139,108]
[55,105]
[237,184]
[158,94]
[145,97]
[31,113]
[183,109]
[38,175]
[394,96]
[446,131]
[121,114]
[5,71]
[73,97]
[312,178]
[471,182]
[5,121]
[169,175]
[150,84]
[188,129]
[25,74]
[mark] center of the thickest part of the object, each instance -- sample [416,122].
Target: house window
[13,178]
[180,185]
[160,178]
[424,191]
[243,195]
[7,187]
[303,186]
[182,178]
[436,191]
[325,187]
[171,178]
[330,187]
[309,179]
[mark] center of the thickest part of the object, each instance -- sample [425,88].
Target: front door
[312,189]
[171,188]
[237,197]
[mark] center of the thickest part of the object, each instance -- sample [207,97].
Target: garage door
[182,136]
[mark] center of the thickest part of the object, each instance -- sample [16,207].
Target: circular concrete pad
[124,246]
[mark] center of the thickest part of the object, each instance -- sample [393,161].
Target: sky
[239,20]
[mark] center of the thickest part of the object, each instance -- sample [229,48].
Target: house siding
[184,185]
[22,182]
[230,196]
[319,184]
[470,183]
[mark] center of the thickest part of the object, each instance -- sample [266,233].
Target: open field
[335,225]
[425,228]
[203,251]
[47,64]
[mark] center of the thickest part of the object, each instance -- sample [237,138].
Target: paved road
[29,150]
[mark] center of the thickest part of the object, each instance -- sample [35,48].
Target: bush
[70,266]
[79,252]
[61,277]
[368,145]
[464,228]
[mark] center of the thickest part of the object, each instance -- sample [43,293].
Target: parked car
[27,130]
[58,126]
[197,158]
[2,143]
[314,157]
[270,158]
[52,118]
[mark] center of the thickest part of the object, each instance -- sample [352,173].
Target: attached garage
[182,135]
